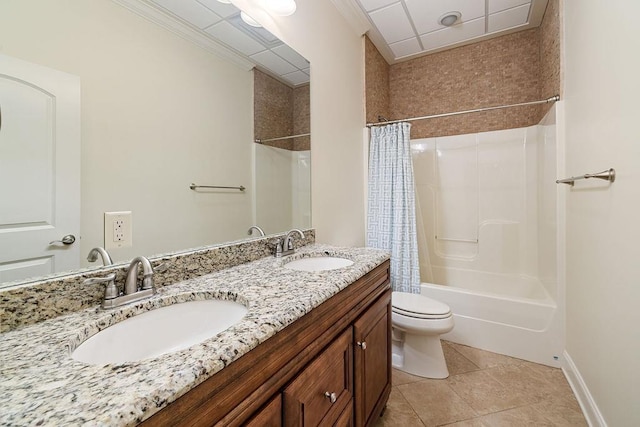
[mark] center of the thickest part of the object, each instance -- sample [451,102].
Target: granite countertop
[40,384]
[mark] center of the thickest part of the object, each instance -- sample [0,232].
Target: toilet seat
[418,306]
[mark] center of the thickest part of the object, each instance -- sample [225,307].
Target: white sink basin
[318,263]
[160,331]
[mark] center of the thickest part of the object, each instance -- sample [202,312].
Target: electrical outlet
[118,230]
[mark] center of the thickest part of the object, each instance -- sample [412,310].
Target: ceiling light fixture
[225,1]
[281,7]
[249,20]
[449,18]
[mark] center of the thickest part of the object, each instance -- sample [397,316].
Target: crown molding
[187,32]
[353,15]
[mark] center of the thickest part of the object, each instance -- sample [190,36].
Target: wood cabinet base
[241,392]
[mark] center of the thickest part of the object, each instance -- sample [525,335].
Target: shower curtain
[391,214]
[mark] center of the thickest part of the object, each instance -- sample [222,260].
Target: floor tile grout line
[463,356]
[410,405]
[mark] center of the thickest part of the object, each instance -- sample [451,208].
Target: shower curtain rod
[477,110]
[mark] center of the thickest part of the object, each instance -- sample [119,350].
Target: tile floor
[483,390]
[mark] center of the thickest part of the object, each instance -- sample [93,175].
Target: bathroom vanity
[312,349]
[330,367]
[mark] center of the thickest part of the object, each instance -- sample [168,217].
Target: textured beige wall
[504,70]
[280,110]
[550,53]
[377,83]
[515,68]
[272,110]
[301,117]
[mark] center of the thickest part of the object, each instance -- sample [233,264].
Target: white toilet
[417,323]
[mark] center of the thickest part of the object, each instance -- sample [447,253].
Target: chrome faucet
[131,283]
[258,229]
[285,246]
[114,298]
[93,256]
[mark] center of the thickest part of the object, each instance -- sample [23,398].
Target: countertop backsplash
[49,298]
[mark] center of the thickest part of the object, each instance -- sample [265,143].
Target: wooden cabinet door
[372,360]
[269,416]
[321,392]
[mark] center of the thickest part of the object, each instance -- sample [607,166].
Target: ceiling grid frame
[493,16]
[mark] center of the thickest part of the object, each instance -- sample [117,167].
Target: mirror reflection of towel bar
[607,175]
[194,187]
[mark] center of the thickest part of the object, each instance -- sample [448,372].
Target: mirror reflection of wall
[282,164]
[158,112]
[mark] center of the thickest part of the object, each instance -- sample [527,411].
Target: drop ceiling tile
[264,34]
[370,5]
[452,35]
[425,14]
[499,5]
[406,48]
[191,11]
[307,71]
[273,62]
[291,56]
[508,18]
[222,9]
[393,23]
[259,34]
[296,78]
[235,38]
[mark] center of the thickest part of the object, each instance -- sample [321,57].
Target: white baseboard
[588,405]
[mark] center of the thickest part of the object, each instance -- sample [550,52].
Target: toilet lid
[416,305]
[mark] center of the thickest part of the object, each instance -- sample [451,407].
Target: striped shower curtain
[391,214]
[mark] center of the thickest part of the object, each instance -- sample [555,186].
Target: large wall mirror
[156,96]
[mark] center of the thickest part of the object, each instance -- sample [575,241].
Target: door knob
[66,240]
[362,344]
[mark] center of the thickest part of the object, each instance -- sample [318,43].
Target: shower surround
[487,236]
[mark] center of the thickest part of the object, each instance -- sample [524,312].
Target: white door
[39,170]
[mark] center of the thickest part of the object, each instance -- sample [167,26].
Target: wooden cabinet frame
[231,396]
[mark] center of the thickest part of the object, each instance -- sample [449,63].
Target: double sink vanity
[298,340]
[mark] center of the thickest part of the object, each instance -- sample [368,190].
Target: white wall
[301,189]
[273,179]
[547,204]
[319,33]
[282,199]
[157,114]
[601,93]
[484,195]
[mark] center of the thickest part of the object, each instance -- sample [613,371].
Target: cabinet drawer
[322,391]
[346,418]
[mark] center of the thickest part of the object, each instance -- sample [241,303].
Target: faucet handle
[289,238]
[278,246]
[161,268]
[111,290]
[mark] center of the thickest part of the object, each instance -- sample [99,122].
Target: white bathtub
[500,313]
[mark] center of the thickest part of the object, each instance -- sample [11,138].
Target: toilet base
[420,355]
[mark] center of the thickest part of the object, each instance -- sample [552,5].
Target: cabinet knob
[331,396]
[362,344]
